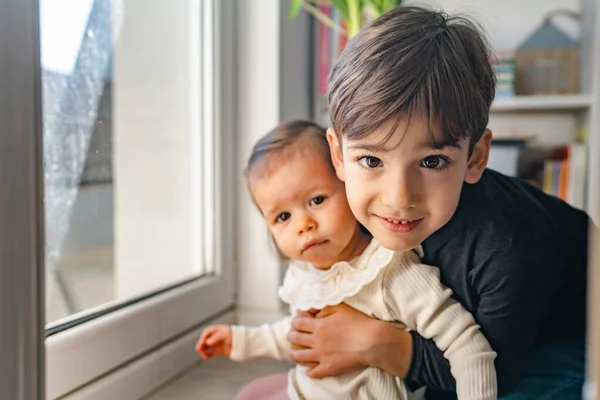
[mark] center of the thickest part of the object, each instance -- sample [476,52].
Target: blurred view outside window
[122,98]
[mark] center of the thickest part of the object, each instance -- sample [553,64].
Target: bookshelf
[567,102]
[558,103]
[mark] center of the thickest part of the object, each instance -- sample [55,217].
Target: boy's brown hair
[412,62]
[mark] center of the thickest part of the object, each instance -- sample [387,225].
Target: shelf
[543,103]
[563,102]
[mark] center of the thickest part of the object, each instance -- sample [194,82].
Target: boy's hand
[330,342]
[215,341]
[338,339]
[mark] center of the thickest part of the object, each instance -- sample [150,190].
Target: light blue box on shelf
[504,156]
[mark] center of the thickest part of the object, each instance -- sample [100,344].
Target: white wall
[157,177]
[508,22]
[259,99]
[296,70]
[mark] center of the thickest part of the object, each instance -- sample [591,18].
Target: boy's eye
[315,201]
[369,162]
[284,216]
[434,162]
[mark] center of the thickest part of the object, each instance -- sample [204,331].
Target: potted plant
[354,13]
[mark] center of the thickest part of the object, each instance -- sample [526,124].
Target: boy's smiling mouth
[399,225]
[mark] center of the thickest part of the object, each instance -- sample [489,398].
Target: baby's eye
[369,162]
[315,201]
[434,162]
[284,216]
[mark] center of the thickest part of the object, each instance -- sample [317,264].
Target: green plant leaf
[352,12]
[388,5]
[373,5]
[295,7]
[323,18]
[342,6]
[355,15]
[379,7]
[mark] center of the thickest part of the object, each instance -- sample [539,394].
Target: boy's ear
[479,158]
[335,148]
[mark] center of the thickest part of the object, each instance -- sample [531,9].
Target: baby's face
[404,190]
[306,209]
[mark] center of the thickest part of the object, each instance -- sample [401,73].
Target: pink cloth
[270,387]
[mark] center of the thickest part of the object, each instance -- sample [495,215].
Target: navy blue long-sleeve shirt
[516,258]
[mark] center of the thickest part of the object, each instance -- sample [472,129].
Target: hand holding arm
[340,338]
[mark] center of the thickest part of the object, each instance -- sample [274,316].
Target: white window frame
[84,353]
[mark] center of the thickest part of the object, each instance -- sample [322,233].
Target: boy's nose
[400,194]
[306,224]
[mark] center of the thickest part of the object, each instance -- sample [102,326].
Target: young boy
[409,103]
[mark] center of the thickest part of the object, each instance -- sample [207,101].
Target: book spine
[564,175]
[548,173]
[324,55]
[556,178]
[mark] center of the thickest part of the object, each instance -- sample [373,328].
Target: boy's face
[306,209]
[405,190]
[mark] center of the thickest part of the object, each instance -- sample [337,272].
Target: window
[123,163]
[136,160]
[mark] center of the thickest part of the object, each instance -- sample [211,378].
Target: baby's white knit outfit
[390,286]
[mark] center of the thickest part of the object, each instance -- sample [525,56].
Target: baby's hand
[215,341]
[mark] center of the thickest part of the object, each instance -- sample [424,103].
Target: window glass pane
[122,108]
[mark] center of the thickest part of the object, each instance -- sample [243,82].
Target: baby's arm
[415,296]
[268,340]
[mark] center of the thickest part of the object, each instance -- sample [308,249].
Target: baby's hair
[284,140]
[412,62]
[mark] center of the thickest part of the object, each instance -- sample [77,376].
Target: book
[325,64]
[564,174]
[329,44]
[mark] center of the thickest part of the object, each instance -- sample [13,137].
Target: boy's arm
[415,296]
[268,340]
[513,294]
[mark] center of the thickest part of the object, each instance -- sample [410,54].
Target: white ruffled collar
[306,287]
